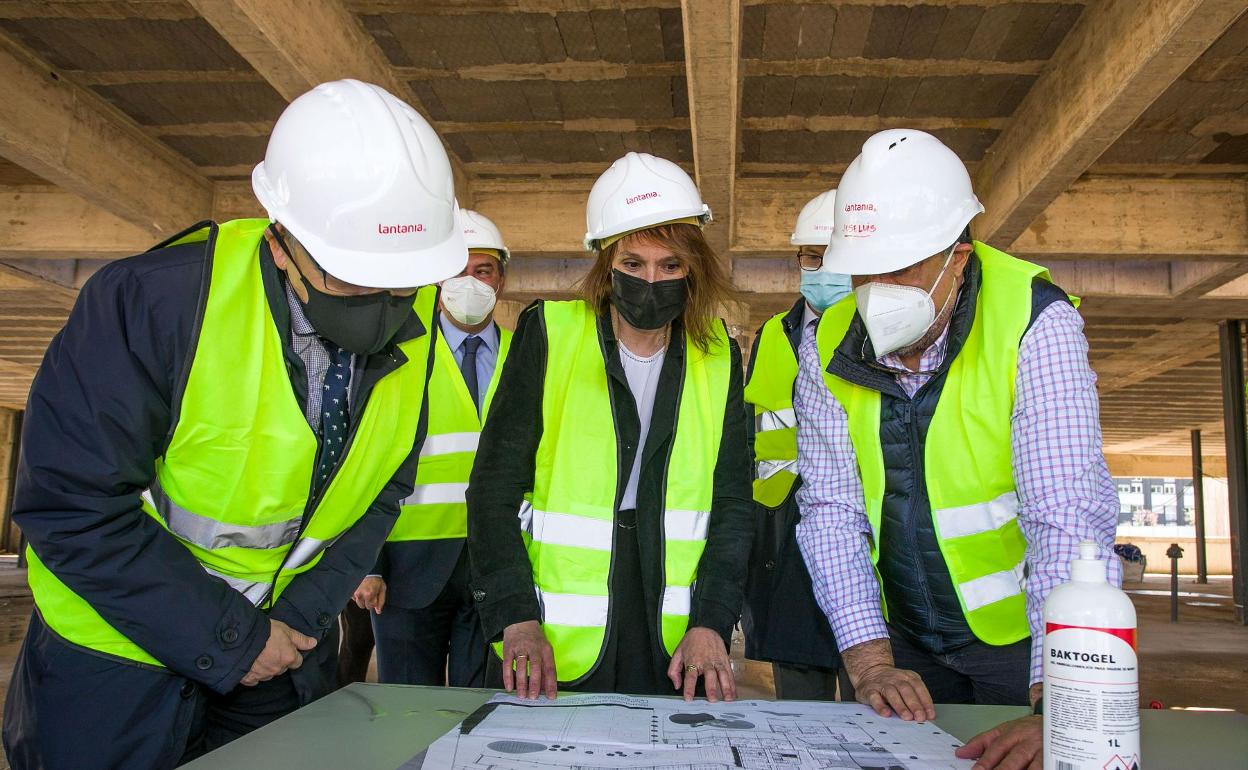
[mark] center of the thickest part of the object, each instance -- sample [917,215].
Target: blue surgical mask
[823,290]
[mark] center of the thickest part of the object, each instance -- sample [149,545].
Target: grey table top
[379,727]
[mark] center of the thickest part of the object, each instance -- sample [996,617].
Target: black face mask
[363,324]
[648,305]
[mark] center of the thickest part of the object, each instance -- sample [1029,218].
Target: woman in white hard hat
[618,436]
[217,442]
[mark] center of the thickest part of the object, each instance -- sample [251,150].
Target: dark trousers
[426,645]
[795,682]
[975,673]
[357,644]
[73,709]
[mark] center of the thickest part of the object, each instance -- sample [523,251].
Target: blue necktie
[468,366]
[333,412]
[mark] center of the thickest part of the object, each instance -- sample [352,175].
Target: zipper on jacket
[916,484]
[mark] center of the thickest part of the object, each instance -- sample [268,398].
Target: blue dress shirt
[487,353]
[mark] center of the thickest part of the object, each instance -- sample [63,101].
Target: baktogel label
[1091,698]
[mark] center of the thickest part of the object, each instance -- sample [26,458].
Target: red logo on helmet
[634,198]
[399,229]
[860,207]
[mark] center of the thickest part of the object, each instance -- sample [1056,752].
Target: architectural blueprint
[584,732]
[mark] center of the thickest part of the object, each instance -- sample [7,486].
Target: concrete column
[1232,348]
[1198,508]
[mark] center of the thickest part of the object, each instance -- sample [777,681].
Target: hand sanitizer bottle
[1091,680]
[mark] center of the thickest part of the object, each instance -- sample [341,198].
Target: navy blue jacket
[99,416]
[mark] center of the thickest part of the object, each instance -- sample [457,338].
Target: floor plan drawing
[586,732]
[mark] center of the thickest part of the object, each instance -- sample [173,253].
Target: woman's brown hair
[709,285]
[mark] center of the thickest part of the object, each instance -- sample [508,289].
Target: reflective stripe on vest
[568,519]
[770,391]
[436,509]
[590,612]
[967,455]
[595,534]
[211,534]
[233,483]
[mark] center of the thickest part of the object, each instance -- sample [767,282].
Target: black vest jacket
[919,593]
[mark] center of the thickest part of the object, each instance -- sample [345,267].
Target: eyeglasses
[809,260]
[342,288]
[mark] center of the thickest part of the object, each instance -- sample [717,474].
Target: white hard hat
[904,199]
[815,223]
[638,191]
[481,233]
[363,182]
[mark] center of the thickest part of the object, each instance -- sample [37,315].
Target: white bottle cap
[1088,567]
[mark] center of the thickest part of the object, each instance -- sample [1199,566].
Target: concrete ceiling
[1108,140]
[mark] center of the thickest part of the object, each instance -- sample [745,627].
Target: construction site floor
[1199,662]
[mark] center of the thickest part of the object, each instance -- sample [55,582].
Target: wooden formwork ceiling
[1108,139]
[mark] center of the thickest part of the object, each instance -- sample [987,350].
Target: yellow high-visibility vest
[233,485]
[770,391]
[436,509]
[568,519]
[967,453]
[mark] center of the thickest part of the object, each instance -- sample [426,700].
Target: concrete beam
[1091,92]
[538,218]
[1193,279]
[860,67]
[469,7]
[298,45]
[1162,466]
[73,138]
[49,223]
[712,59]
[571,70]
[825,123]
[1177,219]
[234,200]
[603,125]
[1107,218]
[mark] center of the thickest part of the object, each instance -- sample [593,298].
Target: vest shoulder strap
[767,342]
[832,327]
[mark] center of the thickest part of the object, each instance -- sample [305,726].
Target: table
[379,727]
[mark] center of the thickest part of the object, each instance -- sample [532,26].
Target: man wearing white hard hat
[425,621]
[217,443]
[781,620]
[948,443]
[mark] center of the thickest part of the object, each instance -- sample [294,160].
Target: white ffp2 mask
[467,299]
[898,316]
